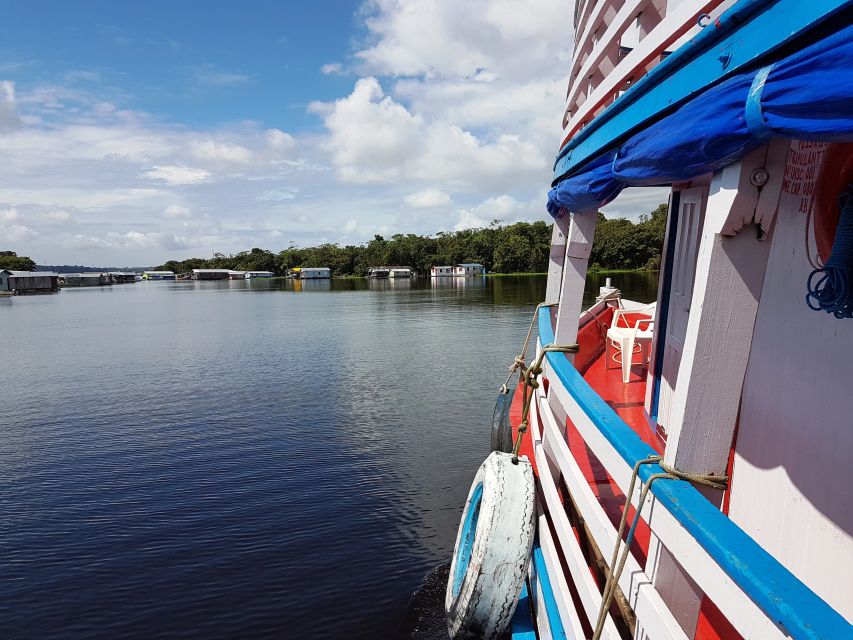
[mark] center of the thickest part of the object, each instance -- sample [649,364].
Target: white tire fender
[493,548]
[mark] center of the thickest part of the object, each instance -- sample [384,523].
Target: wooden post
[729,274]
[557,259]
[578,249]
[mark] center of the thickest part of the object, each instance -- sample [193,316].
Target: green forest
[522,247]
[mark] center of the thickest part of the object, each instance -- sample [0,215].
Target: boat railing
[758,596]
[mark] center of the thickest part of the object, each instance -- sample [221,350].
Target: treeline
[13,262]
[515,248]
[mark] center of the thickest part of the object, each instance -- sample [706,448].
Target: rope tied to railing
[529,378]
[669,473]
[519,362]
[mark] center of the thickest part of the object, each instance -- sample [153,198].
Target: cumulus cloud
[428,198]
[177,175]
[174,211]
[209,150]
[331,68]
[14,233]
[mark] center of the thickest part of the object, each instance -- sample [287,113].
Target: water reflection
[192,458]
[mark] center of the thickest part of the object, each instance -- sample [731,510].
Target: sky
[133,133]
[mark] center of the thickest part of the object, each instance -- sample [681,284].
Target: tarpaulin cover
[807,95]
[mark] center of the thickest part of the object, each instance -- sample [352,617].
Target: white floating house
[310,273]
[390,272]
[441,272]
[469,269]
[236,275]
[259,274]
[158,275]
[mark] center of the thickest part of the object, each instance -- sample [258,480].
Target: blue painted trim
[552,612]
[522,626]
[466,539]
[745,33]
[776,591]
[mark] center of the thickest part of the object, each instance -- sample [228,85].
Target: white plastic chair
[626,338]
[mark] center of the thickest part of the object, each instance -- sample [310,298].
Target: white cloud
[9,119]
[177,175]
[209,150]
[331,68]
[9,215]
[176,211]
[428,198]
[16,233]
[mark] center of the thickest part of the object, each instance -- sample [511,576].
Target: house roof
[469,264]
[30,274]
[212,271]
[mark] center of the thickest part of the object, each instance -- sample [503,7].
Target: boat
[381,273]
[722,408]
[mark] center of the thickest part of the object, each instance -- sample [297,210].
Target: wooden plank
[584,583]
[634,582]
[734,603]
[578,249]
[568,614]
[729,275]
[557,259]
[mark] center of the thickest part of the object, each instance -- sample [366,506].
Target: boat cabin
[717,417]
[259,274]
[389,272]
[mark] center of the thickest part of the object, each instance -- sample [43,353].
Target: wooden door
[691,216]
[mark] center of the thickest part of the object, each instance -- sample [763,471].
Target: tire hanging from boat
[501,428]
[493,547]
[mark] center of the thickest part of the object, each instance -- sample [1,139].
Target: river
[244,459]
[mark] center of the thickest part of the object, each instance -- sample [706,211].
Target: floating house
[259,274]
[121,277]
[441,272]
[211,274]
[86,279]
[28,281]
[390,272]
[158,275]
[310,273]
[469,269]
[236,275]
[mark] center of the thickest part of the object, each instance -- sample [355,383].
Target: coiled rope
[670,473]
[829,286]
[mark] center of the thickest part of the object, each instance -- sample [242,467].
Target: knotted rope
[829,287]
[670,473]
[519,362]
[530,384]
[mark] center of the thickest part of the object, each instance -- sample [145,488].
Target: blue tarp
[807,95]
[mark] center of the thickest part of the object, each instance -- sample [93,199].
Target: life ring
[493,548]
[836,175]
[501,428]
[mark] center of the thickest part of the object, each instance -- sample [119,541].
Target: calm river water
[244,459]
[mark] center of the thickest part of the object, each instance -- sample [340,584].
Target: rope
[670,473]
[519,362]
[531,383]
[829,287]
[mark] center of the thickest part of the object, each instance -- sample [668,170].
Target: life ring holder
[836,175]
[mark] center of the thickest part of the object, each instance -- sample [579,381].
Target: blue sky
[131,133]
[198,63]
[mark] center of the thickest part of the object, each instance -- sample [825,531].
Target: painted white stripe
[634,582]
[587,589]
[749,620]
